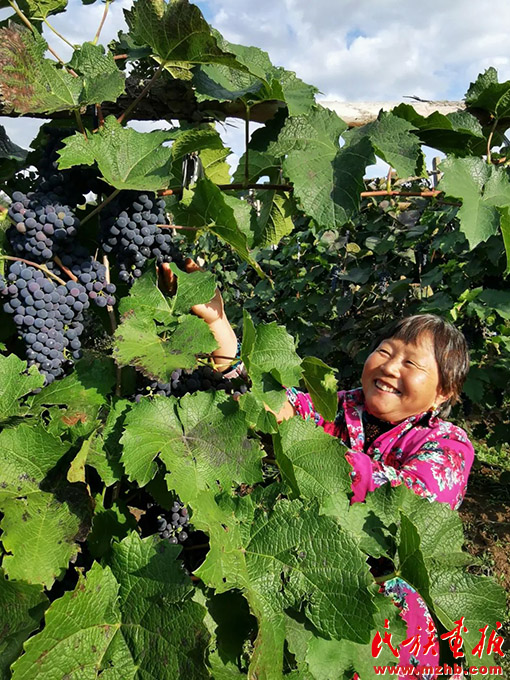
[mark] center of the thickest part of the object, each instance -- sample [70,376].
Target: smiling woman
[394,434]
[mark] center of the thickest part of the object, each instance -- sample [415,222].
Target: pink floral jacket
[429,455]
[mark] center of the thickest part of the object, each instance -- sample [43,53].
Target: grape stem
[103,19]
[99,207]
[142,94]
[386,577]
[69,273]
[59,35]
[489,141]
[34,264]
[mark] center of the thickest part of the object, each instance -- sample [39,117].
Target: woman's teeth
[385,388]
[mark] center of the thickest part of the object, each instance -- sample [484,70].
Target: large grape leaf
[127,159]
[21,609]
[483,189]
[105,450]
[42,518]
[213,153]
[16,382]
[79,396]
[202,442]
[488,94]
[178,35]
[147,300]
[277,558]
[479,599]
[162,631]
[157,353]
[272,362]
[327,180]
[322,656]
[261,81]
[79,628]
[123,621]
[275,219]
[322,386]
[102,80]
[41,9]
[192,289]
[325,478]
[29,82]
[208,208]
[392,140]
[458,133]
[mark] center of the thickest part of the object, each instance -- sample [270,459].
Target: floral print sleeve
[436,468]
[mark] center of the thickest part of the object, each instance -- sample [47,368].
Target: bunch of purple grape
[48,317]
[130,230]
[40,225]
[172,525]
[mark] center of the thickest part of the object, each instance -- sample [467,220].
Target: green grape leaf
[127,159]
[272,362]
[102,80]
[275,219]
[411,560]
[154,599]
[213,153]
[483,189]
[327,180]
[105,450]
[260,164]
[392,140]
[208,208]
[178,35]
[261,81]
[41,9]
[79,629]
[347,656]
[79,396]
[256,415]
[21,609]
[488,94]
[325,478]
[139,343]
[458,133]
[202,443]
[30,83]
[277,559]
[480,600]
[39,526]
[504,214]
[192,289]
[146,299]
[118,612]
[16,382]
[321,383]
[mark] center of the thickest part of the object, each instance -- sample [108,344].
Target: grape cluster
[48,317]
[41,225]
[384,281]
[91,274]
[130,231]
[171,525]
[189,381]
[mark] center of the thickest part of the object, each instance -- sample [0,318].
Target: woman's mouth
[384,387]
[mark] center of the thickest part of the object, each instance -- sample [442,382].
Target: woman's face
[400,380]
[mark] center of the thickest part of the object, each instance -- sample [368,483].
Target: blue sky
[352,50]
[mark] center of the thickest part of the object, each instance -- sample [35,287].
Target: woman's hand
[213,313]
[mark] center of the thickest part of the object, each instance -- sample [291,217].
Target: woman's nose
[391,366]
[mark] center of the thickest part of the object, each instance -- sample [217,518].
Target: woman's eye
[381,350]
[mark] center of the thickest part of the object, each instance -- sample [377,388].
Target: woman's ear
[440,399]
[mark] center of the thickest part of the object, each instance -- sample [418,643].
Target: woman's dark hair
[450,349]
